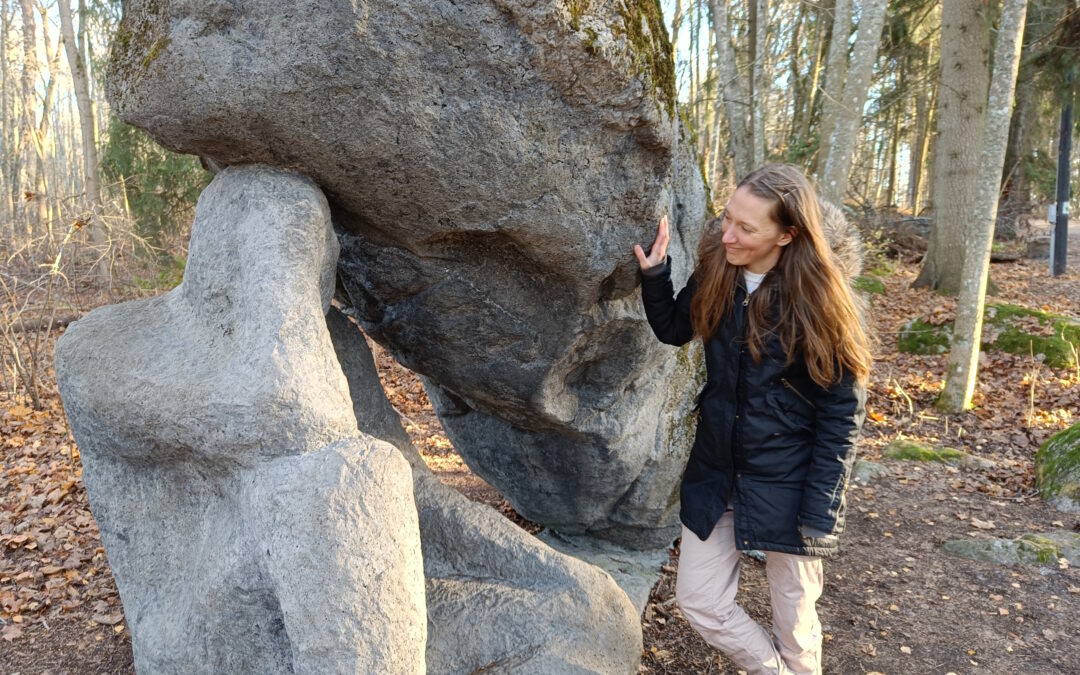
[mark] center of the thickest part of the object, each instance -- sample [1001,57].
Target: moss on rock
[1057,468]
[911,451]
[643,23]
[1007,335]
[1031,549]
[138,41]
[920,337]
[869,284]
[155,51]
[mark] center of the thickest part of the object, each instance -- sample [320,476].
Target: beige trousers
[707,580]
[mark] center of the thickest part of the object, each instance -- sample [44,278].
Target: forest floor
[894,602]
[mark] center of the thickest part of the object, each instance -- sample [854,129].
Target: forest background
[935,123]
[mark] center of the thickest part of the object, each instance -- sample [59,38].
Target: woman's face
[751,237]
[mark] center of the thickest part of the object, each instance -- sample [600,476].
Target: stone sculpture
[223,463]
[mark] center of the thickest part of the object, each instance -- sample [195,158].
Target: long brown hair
[818,314]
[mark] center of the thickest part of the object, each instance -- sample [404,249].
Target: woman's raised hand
[658,252]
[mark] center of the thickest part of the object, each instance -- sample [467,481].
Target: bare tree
[27,145]
[730,88]
[961,114]
[80,81]
[924,111]
[676,23]
[759,22]
[964,354]
[841,143]
[7,203]
[47,166]
[835,74]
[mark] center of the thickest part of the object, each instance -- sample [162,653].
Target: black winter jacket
[769,437]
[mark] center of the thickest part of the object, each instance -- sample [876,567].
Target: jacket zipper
[797,393]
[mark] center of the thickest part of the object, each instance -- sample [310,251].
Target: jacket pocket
[770,511]
[793,389]
[794,411]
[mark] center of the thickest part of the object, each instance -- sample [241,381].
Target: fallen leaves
[107,619]
[52,561]
[9,633]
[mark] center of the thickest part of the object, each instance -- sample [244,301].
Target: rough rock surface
[1044,548]
[489,166]
[499,600]
[249,525]
[1057,469]
[865,471]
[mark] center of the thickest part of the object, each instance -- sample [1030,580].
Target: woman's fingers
[662,237]
[642,260]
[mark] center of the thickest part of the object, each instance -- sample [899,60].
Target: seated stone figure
[252,517]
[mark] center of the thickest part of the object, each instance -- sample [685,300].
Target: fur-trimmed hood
[844,239]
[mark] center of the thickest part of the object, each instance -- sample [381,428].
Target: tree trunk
[964,354]
[86,128]
[961,113]
[817,68]
[29,121]
[706,131]
[835,74]
[894,142]
[1017,191]
[676,24]
[915,167]
[795,76]
[692,95]
[841,143]
[735,99]
[926,201]
[7,204]
[718,114]
[81,84]
[759,21]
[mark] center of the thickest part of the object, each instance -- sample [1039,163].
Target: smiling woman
[752,238]
[786,360]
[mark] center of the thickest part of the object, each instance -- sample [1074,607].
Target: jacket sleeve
[669,317]
[841,409]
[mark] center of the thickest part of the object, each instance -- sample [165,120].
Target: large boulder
[1057,469]
[489,166]
[527,608]
[248,523]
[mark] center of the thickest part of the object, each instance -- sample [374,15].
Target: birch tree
[841,143]
[964,354]
[961,115]
[730,88]
[835,74]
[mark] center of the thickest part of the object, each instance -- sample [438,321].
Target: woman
[786,360]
